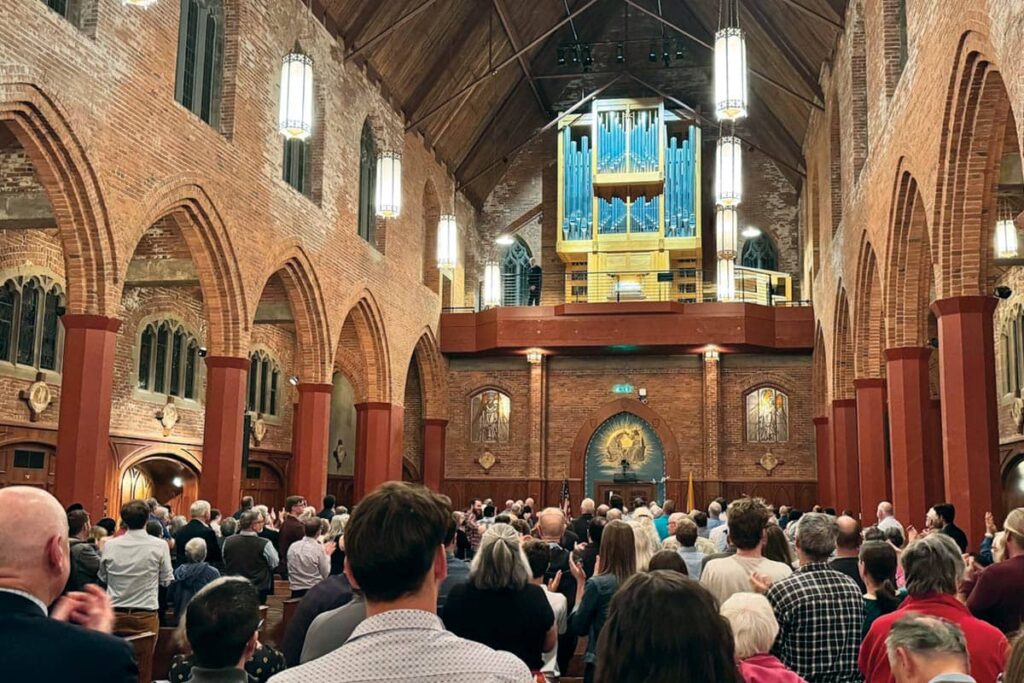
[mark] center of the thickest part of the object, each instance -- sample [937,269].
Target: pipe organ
[629,202]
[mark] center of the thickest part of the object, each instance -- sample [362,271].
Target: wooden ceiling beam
[513,39]
[397,24]
[481,133]
[782,42]
[367,13]
[838,25]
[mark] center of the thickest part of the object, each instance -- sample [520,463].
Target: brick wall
[412,419]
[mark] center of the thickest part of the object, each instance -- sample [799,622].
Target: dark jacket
[589,619]
[458,572]
[85,565]
[37,648]
[535,276]
[189,579]
[196,529]
[331,593]
[957,534]
[243,556]
[581,526]
[291,531]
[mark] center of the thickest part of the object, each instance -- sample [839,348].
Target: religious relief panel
[625,448]
[490,411]
[767,416]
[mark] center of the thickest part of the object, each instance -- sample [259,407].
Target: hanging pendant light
[725,232]
[295,116]
[730,74]
[389,184]
[728,171]
[726,286]
[492,285]
[447,243]
[1006,237]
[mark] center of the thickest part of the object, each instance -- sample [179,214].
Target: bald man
[885,517]
[552,529]
[848,549]
[581,524]
[74,642]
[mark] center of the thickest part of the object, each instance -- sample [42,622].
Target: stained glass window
[760,252]
[30,330]
[767,416]
[490,415]
[367,183]
[200,56]
[167,359]
[264,374]
[296,165]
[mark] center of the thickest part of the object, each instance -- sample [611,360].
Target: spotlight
[652,56]
[620,54]
[641,395]
[666,56]
[561,56]
[293,380]
[61,311]
[576,53]
[1004,292]
[680,49]
[504,239]
[750,232]
[933,342]
[202,352]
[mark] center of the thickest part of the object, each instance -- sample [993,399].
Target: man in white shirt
[748,519]
[885,519]
[394,554]
[308,560]
[134,566]
[719,535]
[538,553]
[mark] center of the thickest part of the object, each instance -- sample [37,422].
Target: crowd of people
[408,589]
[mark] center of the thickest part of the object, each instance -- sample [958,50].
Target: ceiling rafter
[395,25]
[513,39]
[481,133]
[367,13]
[781,41]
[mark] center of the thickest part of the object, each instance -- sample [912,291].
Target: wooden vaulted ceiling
[461,72]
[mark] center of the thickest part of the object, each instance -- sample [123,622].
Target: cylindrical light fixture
[725,231]
[726,286]
[295,115]
[730,74]
[447,243]
[492,285]
[1006,234]
[728,171]
[389,184]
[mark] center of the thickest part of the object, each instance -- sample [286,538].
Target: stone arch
[624,405]
[819,375]
[868,314]
[306,299]
[976,120]
[909,275]
[842,349]
[363,354]
[433,376]
[83,224]
[835,146]
[431,215]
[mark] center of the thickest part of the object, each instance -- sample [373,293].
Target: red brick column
[826,472]
[226,379]
[875,480]
[906,368]
[378,446]
[844,454]
[83,428]
[970,435]
[433,452]
[934,474]
[311,422]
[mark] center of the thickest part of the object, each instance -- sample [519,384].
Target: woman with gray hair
[498,606]
[754,629]
[934,567]
[191,577]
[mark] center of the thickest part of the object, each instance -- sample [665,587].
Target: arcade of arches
[190,308]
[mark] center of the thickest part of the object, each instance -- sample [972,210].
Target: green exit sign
[622,388]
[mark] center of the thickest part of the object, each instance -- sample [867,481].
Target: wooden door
[263,483]
[27,465]
[628,491]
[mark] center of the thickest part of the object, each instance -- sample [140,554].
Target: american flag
[566,505]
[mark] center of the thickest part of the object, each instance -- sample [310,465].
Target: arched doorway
[27,464]
[625,455]
[265,484]
[164,476]
[515,274]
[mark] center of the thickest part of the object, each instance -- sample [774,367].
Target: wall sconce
[534,357]
[711,355]
[641,394]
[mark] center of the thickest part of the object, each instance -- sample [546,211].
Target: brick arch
[306,299]
[431,207]
[842,349]
[868,314]
[363,353]
[433,376]
[975,122]
[909,276]
[578,454]
[71,184]
[819,375]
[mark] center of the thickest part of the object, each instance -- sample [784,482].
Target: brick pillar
[934,476]
[970,435]
[844,454]
[311,424]
[871,445]
[378,446]
[433,452]
[83,427]
[712,414]
[536,465]
[906,368]
[826,471]
[226,380]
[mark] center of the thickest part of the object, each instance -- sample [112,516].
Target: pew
[143,645]
[288,608]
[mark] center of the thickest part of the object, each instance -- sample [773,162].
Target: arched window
[200,58]
[1011,347]
[367,184]
[297,165]
[515,275]
[760,252]
[168,359]
[264,382]
[30,331]
[767,416]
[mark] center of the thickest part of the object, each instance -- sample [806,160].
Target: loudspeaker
[246,430]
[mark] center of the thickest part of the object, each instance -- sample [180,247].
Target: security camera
[1003,292]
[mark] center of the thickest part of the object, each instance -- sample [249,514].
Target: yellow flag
[689,494]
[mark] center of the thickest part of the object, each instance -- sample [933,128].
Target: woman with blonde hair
[335,534]
[642,542]
[498,606]
[645,518]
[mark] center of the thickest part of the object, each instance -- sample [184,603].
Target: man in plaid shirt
[820,611]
